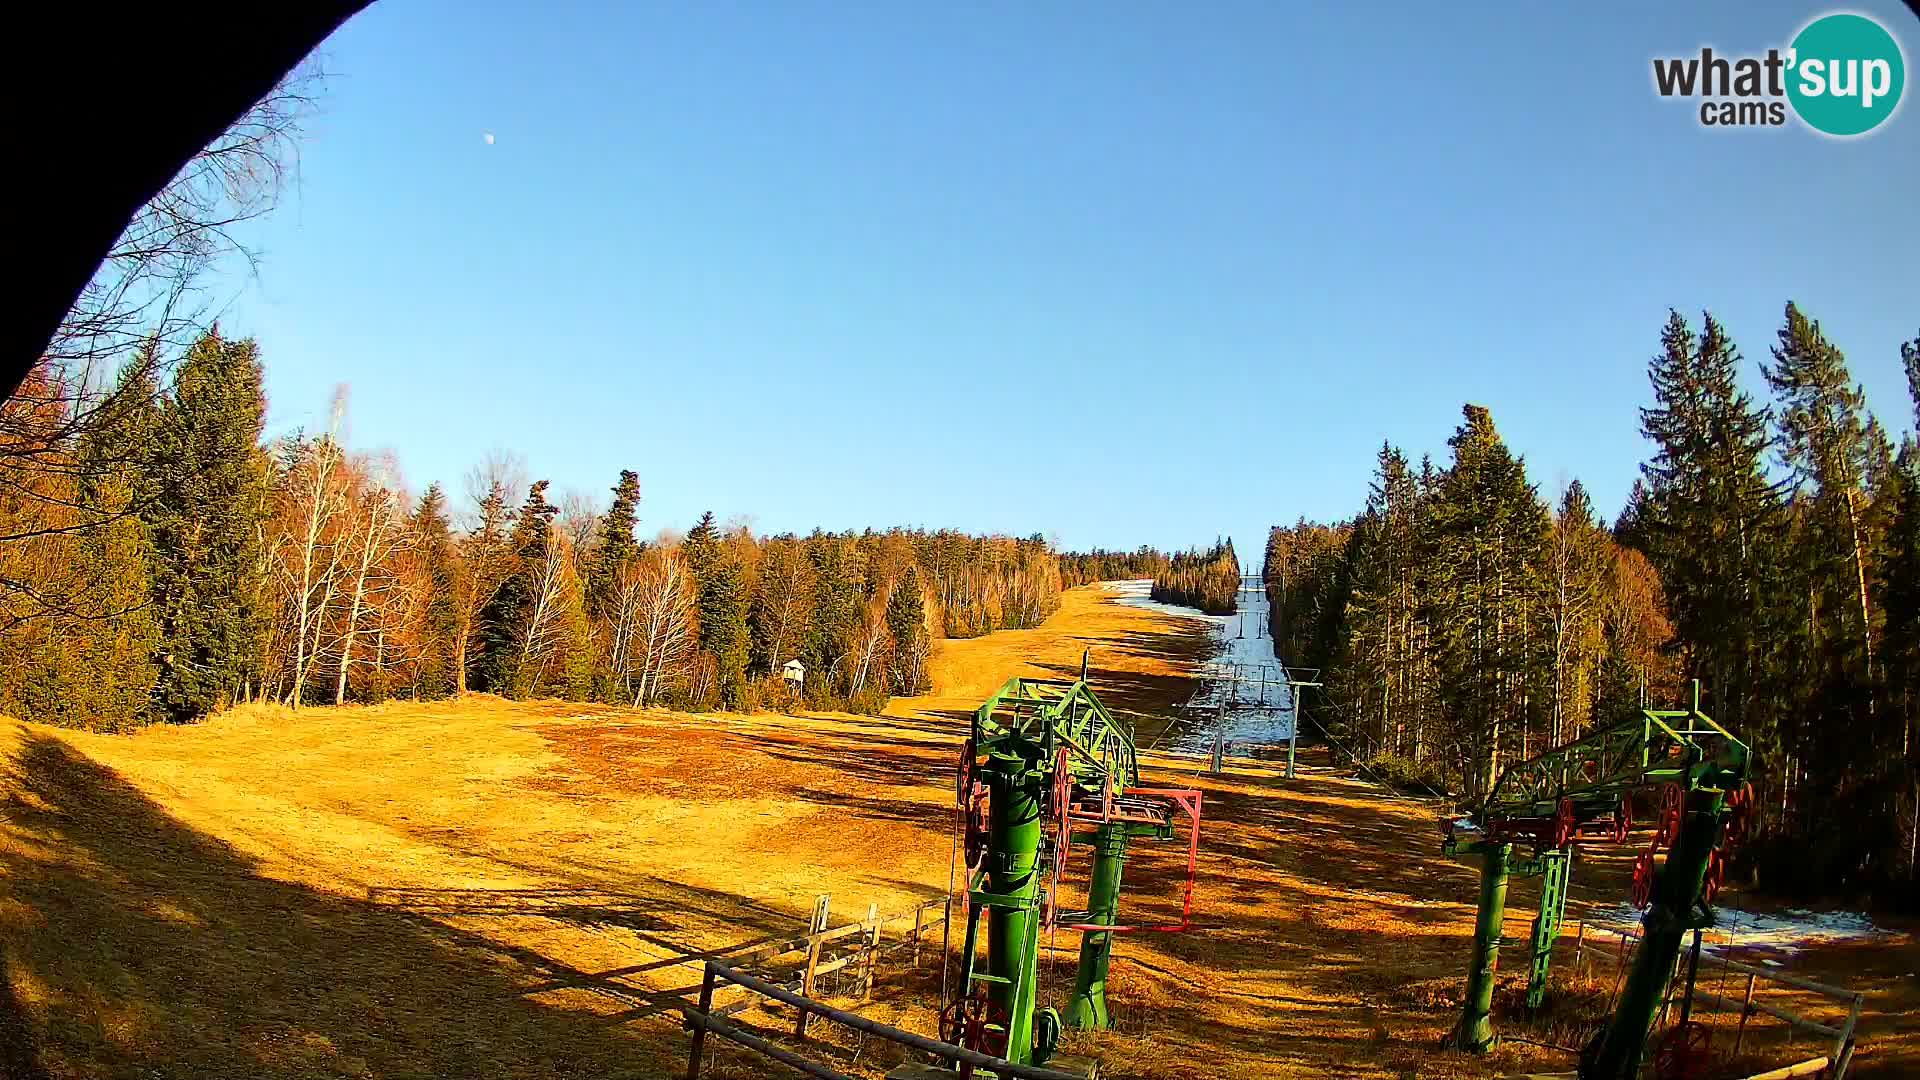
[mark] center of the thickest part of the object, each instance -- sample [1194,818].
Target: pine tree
[208,480]
[1489,540]
[433,549]
[723,610]
[503,621]
[907,626]
[1711,521]
[1825,443]
[839,593]
[617,545]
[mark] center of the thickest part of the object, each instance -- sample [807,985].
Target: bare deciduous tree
[656,604]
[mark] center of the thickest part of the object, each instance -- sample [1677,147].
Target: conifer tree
[503,620]
[434,549]
[907,626]
[1711,520]
[617,545]
[1824,442]
[1488,541]
[723,610]
[207,506]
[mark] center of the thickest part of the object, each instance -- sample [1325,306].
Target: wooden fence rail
[1843,1034]
[701,1020]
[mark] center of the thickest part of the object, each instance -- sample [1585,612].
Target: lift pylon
[1046,768]
[1693,771]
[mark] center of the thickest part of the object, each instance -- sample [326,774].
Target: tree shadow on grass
[134,944]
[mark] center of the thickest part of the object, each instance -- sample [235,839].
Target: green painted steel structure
[1556,873]
[1583,792]
[1044,756]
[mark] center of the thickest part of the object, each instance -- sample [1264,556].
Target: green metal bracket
[1556,872]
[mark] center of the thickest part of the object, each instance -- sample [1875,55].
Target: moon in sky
[487,135]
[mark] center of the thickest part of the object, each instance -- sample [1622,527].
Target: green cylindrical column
[1474,1032]
[1615,1053]
[1014,844]
[1088,1008]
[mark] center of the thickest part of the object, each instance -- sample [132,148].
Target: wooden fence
[1843,1032]
[705,1018]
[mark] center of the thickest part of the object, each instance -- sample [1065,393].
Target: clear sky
[1122,273]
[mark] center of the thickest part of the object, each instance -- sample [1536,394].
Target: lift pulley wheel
[1667,823]
[1740,811]
[971,799]
[1642,880]
[1565,825]
[1683,1051]
[1622,821]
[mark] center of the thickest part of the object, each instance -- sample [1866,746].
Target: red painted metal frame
[1187,800]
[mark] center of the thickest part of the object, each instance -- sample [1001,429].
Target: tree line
[1087,567]
[163,560]
[1770,550]
[1208,580]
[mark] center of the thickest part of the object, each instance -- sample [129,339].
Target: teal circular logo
[1846,74]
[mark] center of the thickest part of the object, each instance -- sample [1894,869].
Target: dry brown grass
[489,888]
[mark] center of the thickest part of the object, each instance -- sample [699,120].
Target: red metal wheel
[1716,876]
[1667,823]
[1643,880]
[1622,821]
[1683,1051]
[1564,825]
[1740,811]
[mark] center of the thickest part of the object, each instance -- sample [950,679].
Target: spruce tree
[503,619]
[907,626]
[723,609]
[617,547]
[433,547]
[207,481]
[1711,521]
[1825,443]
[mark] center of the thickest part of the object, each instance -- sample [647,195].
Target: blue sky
[1121,273]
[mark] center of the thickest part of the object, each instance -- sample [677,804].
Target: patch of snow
[1243,672]
[1753,934]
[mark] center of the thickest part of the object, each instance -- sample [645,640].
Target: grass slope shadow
[133,944]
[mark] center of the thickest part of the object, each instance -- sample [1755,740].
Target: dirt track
[487,888]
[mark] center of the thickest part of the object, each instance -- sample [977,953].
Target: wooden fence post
[1746,1010]
[872,939]
[1579,949]
[700,1026]
[919,923]
[821,904]
[806,987]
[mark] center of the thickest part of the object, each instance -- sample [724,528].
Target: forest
[1208,580]
[1768,549]
[164,561]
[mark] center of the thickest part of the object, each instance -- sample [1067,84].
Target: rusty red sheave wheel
[1740,807]
[1716,875]
[1668,822]
[1683,1051]
[1564,824]
[1643,880]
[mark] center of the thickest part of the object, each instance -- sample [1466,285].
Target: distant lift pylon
[1048,767]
